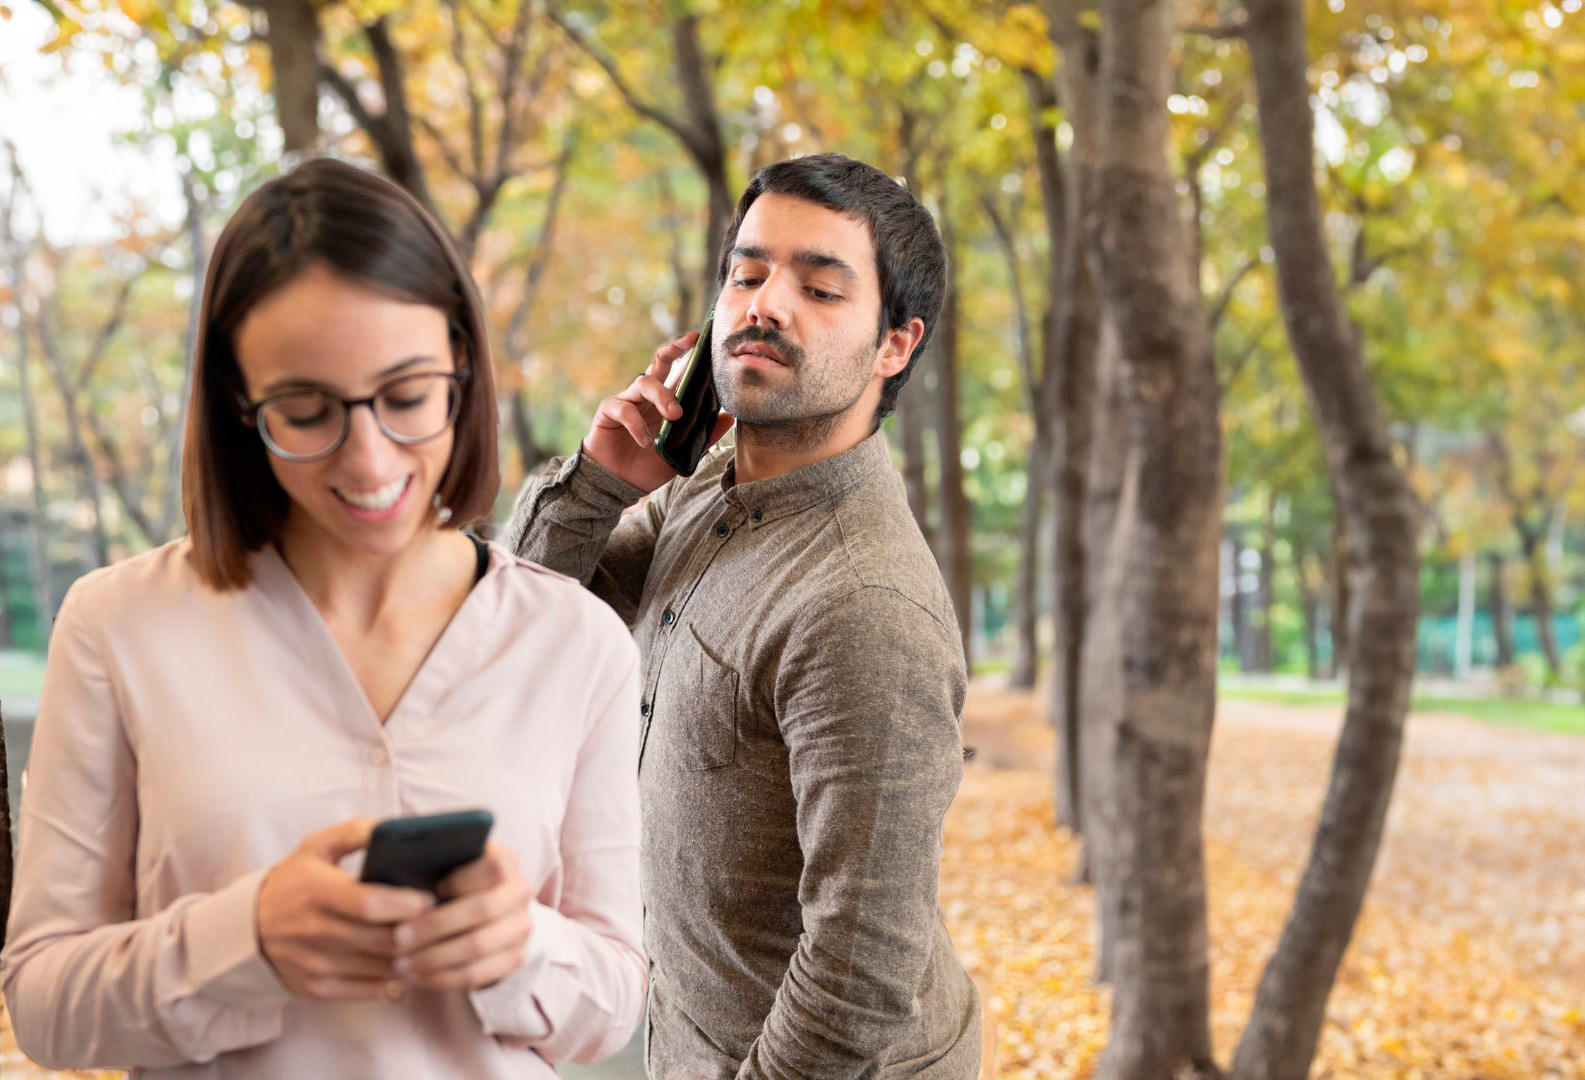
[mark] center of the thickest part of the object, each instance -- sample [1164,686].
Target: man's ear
[897,346]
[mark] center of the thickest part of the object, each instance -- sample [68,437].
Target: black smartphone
[683,441]
[418,852]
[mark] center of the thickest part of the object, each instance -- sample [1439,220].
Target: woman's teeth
[382,499]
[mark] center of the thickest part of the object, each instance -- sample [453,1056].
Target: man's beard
[798,417]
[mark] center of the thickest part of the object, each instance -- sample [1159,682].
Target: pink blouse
[188,739]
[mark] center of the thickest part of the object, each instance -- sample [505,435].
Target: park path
[1469,960]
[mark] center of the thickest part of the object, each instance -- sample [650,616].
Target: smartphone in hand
[419,852]
[683,441]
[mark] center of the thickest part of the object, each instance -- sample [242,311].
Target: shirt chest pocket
[696,704]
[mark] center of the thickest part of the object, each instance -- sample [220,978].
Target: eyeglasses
[306,425]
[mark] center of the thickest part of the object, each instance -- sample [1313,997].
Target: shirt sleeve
[571,516]
[868,700]
[579,992]
[88,984]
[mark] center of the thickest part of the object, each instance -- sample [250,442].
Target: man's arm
[570,517]
[868,700]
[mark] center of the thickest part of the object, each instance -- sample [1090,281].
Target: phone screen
[682,442]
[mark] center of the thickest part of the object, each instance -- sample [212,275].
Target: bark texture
[1381,518]
[1162,584]
[952,539]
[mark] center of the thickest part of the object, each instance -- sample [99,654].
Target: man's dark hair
[909,256]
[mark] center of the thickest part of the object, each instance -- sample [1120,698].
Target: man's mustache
[790,354]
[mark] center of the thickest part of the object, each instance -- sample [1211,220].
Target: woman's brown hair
[370,230]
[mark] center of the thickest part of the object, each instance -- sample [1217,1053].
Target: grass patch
[1536,715]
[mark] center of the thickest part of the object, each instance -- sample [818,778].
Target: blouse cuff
[225,961]
[510,1007]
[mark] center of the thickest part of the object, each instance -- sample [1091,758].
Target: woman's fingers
[491,949]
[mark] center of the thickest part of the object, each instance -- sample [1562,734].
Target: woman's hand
[327,935]
[480,932]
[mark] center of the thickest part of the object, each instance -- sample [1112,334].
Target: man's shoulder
[883,548]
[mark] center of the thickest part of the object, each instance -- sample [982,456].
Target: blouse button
[378,756]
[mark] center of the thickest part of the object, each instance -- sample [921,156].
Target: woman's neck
[363,590]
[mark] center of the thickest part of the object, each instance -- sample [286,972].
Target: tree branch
[1224,296]
[638,104]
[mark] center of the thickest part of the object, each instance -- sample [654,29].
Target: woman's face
[323,331]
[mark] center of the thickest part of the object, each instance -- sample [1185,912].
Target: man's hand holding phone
[621,439]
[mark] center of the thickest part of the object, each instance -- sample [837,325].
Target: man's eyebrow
[315,384]
[804,257]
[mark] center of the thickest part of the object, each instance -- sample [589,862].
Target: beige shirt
[802,686]
[188,739]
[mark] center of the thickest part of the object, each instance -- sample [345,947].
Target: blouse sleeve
[88,984]
[579,992]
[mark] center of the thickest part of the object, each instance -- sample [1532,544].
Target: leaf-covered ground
[1468,962]
[1469,959]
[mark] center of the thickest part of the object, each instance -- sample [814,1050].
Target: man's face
[796,322]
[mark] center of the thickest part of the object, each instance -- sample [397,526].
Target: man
[802,669]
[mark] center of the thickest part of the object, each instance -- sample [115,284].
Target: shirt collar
[779,496]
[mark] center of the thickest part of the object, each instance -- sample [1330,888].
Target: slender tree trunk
[1238,606]
[292,36]
[1026,599]
[1164,578]
[170,493]
[38,525]
[911,434]
[1501,610]
[1540,579]
[1382,520]
[1342,590]
[1310,602]
[1264,645]
[77,447]
[953,550]
[1071,347]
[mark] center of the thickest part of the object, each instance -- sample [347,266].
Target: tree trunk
[1163,582]
[1342,590]
[1501,610]
[292,35]
[1238,606]
[38,558]
[1264,644]
[911,434]
[1539,573]
[1310,602]
[1026,598]
[193,226]
[953,552]
[1067,398]
[1382,521]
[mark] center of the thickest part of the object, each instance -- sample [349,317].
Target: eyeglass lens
[303,423]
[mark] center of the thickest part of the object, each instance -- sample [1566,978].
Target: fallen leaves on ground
[1468,962]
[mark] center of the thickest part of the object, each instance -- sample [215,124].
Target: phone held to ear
[419,852]
[683,441]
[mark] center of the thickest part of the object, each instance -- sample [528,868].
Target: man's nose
[772,301]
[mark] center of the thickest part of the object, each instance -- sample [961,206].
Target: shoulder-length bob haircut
[330,213]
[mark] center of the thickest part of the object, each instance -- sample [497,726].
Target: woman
[224,718]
